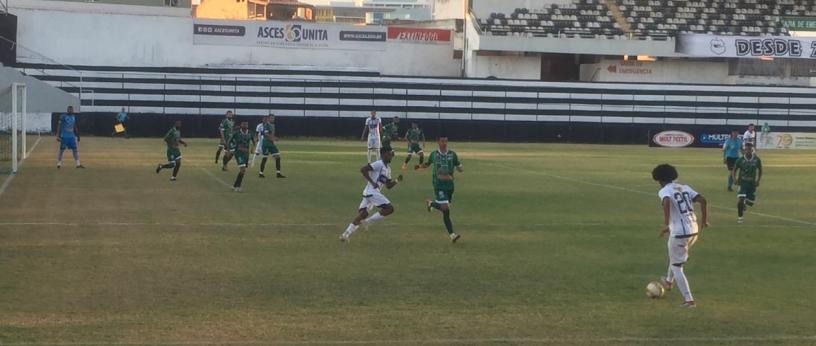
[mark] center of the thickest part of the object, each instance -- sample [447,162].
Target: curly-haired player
[680,222]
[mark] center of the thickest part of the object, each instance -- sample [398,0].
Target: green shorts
[241,158]
[173,154]
[414,148]
[747,190]
[443,196]
[269,148]
[222,143]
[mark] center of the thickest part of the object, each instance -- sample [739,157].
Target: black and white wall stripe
[298,93]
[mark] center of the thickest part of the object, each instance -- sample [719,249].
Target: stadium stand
[649,19]
[582,18]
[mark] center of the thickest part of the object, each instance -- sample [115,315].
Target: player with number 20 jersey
[680,222]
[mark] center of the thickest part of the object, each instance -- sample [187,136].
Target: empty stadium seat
[649,19]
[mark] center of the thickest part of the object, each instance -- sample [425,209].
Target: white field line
[453,341]
[216,178]
[11,176]
[654,194]
[28,154]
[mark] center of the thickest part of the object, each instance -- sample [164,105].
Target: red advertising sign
[673,139]
[418,34]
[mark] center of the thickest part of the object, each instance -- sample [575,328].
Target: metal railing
[604,107]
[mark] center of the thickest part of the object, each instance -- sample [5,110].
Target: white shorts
[373,143]
[679,248]
[258,147]
[376,199]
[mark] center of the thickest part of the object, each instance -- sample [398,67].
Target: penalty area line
[215,178]
[621,188]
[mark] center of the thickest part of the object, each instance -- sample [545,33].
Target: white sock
[682,283]
[376,217]
[77,162]
[670,274]
[350,229]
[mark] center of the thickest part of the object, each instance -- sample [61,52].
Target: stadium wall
[448,9]
[71,33]
[506,67]
[330,103]
[41,99]
[669,71]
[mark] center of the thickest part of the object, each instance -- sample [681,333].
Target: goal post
[13,130]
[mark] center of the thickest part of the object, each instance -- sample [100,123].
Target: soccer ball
[655,290]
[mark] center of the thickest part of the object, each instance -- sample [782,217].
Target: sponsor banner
[787,140]
[672,139]
[363,36]
[699,139]
[418,35]
[713,140]
[276,34]
[746,46]
[630,67]
[799,23]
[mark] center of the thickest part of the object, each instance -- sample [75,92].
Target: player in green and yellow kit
[173,139]
[747,173]
[413,136]
[443,161]
[268,146]
[390,132]
[225,130]
[242,140]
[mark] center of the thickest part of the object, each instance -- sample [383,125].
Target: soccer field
[558,243]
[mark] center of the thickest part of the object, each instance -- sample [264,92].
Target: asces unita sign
[673,139]
[277,34]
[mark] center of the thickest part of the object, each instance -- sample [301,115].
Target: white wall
[448,9]
[81,38]
[577,46]
[505,67]
[35,123]
[668,71]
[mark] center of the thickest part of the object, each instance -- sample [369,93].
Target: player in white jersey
[259,132]
[373,126]
[376,175]
[680,222]
[750,136]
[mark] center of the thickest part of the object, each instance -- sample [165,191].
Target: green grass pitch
[558,244]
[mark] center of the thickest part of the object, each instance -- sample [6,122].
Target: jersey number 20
[683,202]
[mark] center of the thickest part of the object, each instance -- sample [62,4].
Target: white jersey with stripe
[682,220]
[749,137]
[260,130]
[380,173]
[373,126]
